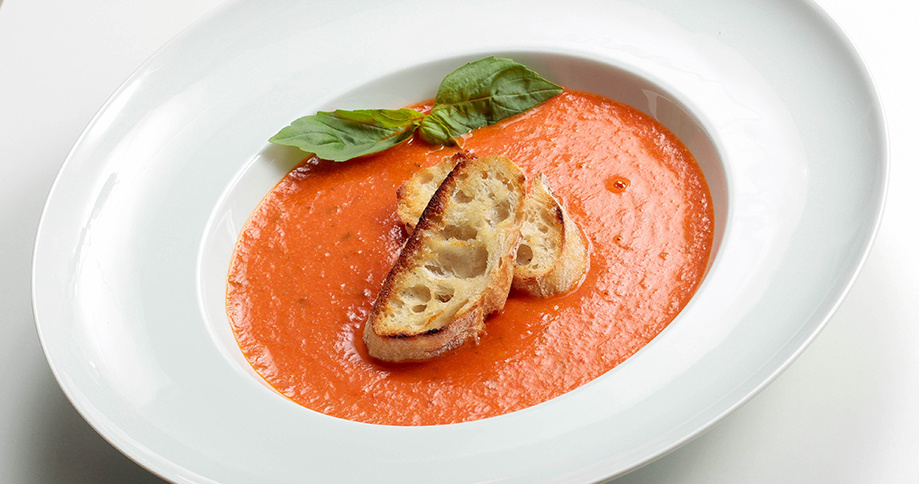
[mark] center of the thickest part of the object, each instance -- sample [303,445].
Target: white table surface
[847,411]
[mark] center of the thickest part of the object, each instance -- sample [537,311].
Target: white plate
[133,246]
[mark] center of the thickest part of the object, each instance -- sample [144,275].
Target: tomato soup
[313,255]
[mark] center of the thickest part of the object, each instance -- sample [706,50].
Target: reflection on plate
[133,247]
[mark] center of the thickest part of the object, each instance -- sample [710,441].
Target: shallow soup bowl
[131,257]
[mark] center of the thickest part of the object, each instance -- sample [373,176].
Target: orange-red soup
[311,259]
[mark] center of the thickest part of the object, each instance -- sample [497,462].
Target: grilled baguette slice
[552,257]
[413,195]
[457,265]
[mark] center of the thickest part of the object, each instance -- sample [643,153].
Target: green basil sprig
[475,95]
[341,135]
[482,93]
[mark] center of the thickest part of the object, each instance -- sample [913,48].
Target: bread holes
[460,232]
[553,216]
[462,197]
[464,262]
[416,297]
[437,270]
[543,221]
[444,294]
[418,292]
[524,255]
[425,177]
[502,211]
[436,219]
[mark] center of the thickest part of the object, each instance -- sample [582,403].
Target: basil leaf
[482,93]
[475,95]
[341,135]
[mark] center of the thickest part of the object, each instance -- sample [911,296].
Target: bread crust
[457,265]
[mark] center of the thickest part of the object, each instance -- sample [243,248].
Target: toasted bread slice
[552,257]
[455,268]
[413,195]
[552,254]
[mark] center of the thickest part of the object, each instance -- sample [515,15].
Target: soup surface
[313,255]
